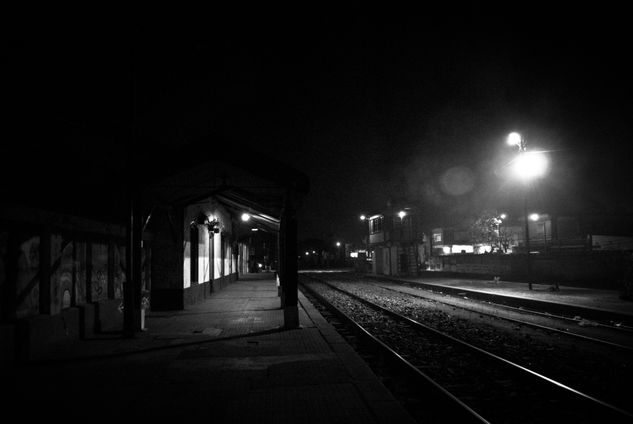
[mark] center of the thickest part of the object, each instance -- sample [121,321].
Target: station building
[397,242]
[83,257]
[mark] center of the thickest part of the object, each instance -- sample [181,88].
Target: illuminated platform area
[226,359]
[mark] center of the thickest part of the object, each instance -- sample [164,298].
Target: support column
[288,233]
[45,271]
[528,260]
[111,268]
[88,280]
[132,285]
[281,271]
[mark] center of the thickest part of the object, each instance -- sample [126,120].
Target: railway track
[426,400]
[566,324]
[596,367]
[536,308]
[482,385]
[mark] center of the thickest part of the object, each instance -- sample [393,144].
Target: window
[437,237]
[375,225]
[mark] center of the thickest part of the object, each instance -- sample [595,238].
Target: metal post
[523,150]
[132,286]
[290,276]
[45,271]
[527,242]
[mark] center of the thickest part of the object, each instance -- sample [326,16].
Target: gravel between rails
[596,371]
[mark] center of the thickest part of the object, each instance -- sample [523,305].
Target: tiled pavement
[225,360]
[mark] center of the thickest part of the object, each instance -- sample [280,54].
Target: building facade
[397,243]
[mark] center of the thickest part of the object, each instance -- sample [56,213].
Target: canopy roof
[87,175]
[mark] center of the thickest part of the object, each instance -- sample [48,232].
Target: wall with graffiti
[119,270]
[26,278]
[63,277]
[99,268]
[81,269]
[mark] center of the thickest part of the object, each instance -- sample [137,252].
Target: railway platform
[583,302]
[226,359]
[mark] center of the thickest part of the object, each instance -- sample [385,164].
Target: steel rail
[518,321]
[437,289]
[490,355]
[464,411]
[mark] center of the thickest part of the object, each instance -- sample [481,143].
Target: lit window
[375,225]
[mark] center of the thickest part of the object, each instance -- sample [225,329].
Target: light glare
[245,217]
[534,217]
[530,165]
[514,139]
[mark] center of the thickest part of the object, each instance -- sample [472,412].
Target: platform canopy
[241,181]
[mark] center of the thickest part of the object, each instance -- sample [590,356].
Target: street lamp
[363,218]
[502,237]
[527,166]
[338,252]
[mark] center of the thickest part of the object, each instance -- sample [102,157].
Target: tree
[485,230]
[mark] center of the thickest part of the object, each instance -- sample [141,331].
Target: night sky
[410,107]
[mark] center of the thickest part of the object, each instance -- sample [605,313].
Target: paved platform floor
[226,359]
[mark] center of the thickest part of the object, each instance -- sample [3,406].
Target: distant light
[503,216]
[402,214]
[363,217]
[245,217]
[307,253]
[313,251]
[534,217]
[259,265]
[514,139]
[530,165]
[353,254]
[446,249]
[254,229]
[338,244]
[462,248]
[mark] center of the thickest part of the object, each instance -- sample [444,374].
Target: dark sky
[410,106]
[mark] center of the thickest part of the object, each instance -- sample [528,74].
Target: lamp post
[364,219]
[527,166]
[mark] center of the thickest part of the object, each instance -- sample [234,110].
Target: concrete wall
[596,269]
